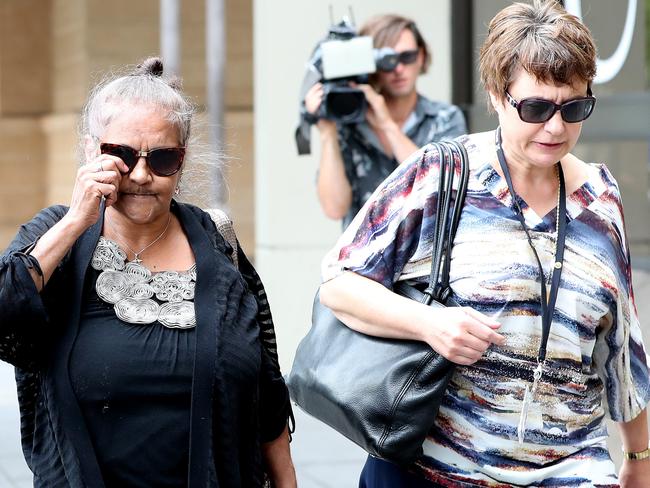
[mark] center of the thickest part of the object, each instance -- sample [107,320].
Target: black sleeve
[275,406]
[23,315]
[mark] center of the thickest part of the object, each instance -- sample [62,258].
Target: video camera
[339,59]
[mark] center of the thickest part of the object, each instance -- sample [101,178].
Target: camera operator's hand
[314,98]
[395,142]
[377,116]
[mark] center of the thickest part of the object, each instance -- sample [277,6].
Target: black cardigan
[239,398]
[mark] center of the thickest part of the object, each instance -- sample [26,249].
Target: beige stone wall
[53,51]
[239,120]
[24,97]
[24,59]
[237,146]
[240,171]
[68,55]
[21,173]
[59,144]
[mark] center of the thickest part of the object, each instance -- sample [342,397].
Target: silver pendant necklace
[137,259]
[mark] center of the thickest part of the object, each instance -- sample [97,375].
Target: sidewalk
[323,458]
[13,470]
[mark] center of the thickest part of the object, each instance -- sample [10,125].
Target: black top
[241,398]
[133,383]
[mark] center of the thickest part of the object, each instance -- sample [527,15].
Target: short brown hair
[386,29]
[543,39]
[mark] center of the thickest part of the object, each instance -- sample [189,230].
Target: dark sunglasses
[164,161]
[388,58]
[538,110]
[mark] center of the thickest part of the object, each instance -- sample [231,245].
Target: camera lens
[345,104]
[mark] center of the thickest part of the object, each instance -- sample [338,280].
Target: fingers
[369,92]
[314,98]
[316,87]
[465,360]
[373,97]
[483,327]
[108,191]
[92,179]
[489,321]
[101,177]
[465,350]
[377,115]
[479,327]
[463,335]
[106,162]
[96,184]
[471,341]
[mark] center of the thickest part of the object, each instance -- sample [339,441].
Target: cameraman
[356,158]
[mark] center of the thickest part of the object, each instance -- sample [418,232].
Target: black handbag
[384,394]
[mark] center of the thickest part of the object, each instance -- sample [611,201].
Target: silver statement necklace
[139,296]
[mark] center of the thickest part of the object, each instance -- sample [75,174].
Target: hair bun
[151,66]
[175,82]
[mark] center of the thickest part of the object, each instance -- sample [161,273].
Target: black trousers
[377,473]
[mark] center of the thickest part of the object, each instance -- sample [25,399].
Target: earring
[177,190]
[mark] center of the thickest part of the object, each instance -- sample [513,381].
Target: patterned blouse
[596,361]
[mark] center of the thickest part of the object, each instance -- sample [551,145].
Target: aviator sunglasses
[538,110]
[164,161]
[388,58]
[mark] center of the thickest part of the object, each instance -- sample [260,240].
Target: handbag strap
[447,218]
[459,201]
[225,227]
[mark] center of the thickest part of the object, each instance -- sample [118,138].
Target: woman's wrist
[636,455]
[73,225]
[389,127]
[326,127]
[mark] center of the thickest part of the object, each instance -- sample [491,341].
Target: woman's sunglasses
[388,59]
[538,110]
[164,161]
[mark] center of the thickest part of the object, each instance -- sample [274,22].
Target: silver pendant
[529,398]
[137,310]
[130,288]
[178,315]
[108,255]
[113,286]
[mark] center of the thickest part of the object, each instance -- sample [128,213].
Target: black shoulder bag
[384,394]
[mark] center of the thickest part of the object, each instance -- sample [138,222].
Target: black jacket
[238,395]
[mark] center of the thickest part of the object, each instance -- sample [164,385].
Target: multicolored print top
[596,362]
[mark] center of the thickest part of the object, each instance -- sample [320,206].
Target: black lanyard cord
[548,307]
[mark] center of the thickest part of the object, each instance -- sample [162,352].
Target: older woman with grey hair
[144,356]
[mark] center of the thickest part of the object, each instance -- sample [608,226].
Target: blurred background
[243,61]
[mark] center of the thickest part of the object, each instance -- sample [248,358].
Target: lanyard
[548,304]
[547,301]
